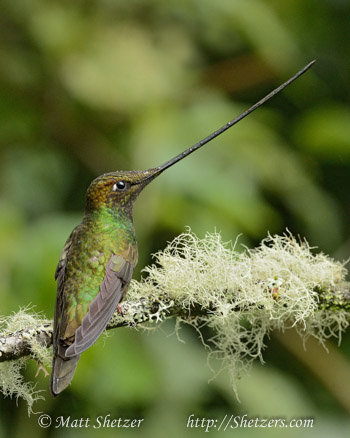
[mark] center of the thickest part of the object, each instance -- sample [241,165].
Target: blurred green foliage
[89,87]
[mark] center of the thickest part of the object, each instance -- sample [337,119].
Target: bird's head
[118,189]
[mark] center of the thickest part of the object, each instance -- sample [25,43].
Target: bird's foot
[120,311]
[41,367]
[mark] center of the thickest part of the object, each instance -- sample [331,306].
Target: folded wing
[117,277]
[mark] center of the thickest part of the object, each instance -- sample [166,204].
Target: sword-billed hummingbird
[98,259]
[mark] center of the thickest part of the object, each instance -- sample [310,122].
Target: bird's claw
[41,367]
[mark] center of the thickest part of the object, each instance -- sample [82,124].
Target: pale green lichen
[12,382]
[243,296]
[250,293]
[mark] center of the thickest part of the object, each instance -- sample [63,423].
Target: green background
[89,87]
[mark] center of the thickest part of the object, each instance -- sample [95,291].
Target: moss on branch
[241,296]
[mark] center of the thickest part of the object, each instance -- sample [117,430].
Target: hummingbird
[99,256]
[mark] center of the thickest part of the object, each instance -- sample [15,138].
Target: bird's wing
[117,277]
[59,276]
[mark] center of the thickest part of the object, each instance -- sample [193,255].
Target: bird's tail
[62,373]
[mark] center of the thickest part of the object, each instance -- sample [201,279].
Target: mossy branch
[149,309]
[241,296]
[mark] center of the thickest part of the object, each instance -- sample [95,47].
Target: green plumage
[94,270]
[99,236]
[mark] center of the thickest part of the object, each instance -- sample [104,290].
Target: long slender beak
[153,173]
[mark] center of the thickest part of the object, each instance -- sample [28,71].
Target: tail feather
[62,373]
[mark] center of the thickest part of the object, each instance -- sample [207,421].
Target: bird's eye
[120,185]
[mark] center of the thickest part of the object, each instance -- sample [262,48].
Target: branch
[150,309]
[18,344]
[241,296]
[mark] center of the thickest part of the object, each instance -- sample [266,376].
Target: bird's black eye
[120,185]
